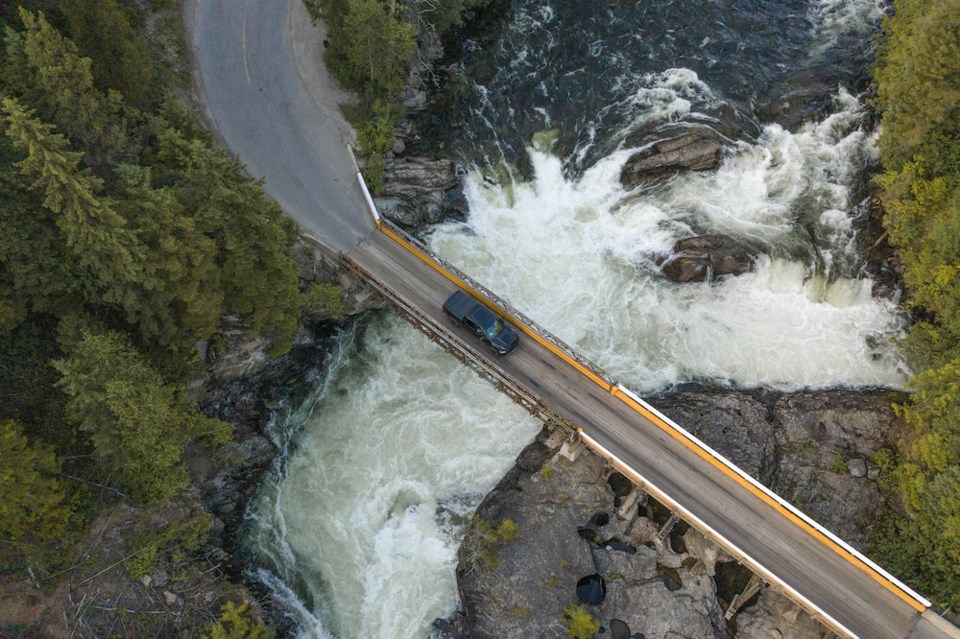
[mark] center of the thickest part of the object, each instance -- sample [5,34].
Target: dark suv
[486,324]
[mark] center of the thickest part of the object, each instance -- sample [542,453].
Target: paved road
[275,109]
[844,591]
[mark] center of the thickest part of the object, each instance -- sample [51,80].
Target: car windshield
[495,329]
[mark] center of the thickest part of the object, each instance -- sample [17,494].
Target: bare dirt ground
[97,597]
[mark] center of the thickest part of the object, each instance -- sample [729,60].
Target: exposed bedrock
[693,150]
[574,520]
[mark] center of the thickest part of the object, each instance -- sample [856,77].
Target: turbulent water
[357,529]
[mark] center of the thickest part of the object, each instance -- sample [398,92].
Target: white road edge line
[906,589]
[690,517]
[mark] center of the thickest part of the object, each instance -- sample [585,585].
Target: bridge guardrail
[511,312]
[852,553]
[710,533]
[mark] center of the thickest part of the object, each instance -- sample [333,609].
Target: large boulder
[695,150]
[704,257]
[422,191]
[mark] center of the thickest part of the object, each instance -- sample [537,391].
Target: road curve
[277,111]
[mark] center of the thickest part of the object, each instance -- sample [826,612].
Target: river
[357,527]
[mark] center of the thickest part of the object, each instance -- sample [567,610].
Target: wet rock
[236,354]
[537,573]
[697,150]
[591,590]
[457,627]
[619,629]
[791,442]
[705,257]
[421,191]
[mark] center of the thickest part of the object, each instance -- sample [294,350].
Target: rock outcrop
[694,150]
[422,191]
[705,257]
[567,517]
[812,448]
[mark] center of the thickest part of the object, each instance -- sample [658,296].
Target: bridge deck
[853,596]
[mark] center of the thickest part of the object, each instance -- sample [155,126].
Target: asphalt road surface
[842,589]
[270,101]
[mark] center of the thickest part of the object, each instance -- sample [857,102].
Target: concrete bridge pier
[573,447]
[753,587]
[628,508]
[666,528]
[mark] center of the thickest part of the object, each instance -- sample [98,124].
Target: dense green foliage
[127,236]
[370,44]
[35,507]
[237,622]
[136,421]
[918,78]
[579,623]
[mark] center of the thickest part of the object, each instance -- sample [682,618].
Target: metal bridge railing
[505,306]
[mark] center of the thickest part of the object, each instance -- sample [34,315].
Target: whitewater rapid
[357,528]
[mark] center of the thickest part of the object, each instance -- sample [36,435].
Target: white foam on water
[365,519]
[362,528]
[577,256]
[832,19]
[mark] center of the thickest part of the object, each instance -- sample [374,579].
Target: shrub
[238,622]
[580,624]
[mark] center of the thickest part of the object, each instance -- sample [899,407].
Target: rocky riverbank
[816,449]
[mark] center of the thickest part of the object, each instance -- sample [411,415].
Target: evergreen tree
[137,422]
[377,47]
[252,237]
[37,273]
[35,507]
[105,32]
[46,72]
[178,297]
[238,622]
[918,78]
[104,248]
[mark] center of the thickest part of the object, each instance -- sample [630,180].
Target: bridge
[250,71]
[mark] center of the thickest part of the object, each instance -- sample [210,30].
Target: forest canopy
[918,82]
[127,237]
